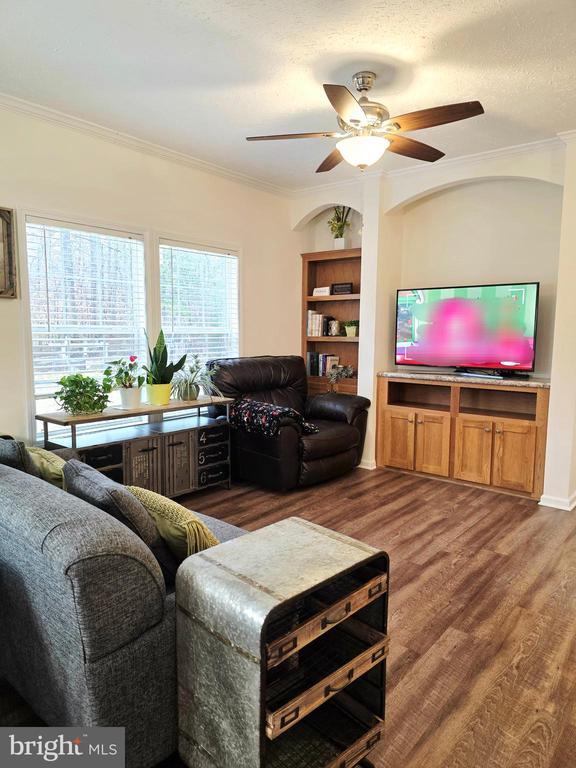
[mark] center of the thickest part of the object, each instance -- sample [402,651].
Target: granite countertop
[454,378]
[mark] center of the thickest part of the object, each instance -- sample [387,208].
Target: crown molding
[481,157]
[567,136]
[14,104]
[478,157]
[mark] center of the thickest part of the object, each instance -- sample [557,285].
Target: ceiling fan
[367,130]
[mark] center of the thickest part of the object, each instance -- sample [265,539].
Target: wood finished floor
[482,670]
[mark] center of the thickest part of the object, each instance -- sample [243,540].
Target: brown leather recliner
[291,458]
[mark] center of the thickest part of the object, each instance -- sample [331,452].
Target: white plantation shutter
[87,300]
[199,301]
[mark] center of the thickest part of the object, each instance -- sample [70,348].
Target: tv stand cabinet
[476,431]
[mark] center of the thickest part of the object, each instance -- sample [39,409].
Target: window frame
[207,247]
[151,237]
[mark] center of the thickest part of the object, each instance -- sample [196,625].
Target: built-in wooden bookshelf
[321,269]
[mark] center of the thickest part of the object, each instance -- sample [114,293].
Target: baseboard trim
[558,502]
[367,464]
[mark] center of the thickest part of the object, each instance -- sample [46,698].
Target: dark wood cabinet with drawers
[172,457]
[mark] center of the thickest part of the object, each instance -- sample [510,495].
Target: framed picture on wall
[7,255]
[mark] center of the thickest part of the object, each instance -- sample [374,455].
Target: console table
[487,432]
[281,647]
[169,456]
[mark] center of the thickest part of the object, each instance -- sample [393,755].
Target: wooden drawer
[339,735]
[318,676]
[326,617]
[211,435]
[212,454]
[219,473]
[104,456]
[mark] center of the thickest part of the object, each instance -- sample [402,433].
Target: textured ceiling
[200,75]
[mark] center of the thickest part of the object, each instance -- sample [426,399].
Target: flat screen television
[473,326]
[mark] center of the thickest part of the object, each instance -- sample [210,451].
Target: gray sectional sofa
[87,627]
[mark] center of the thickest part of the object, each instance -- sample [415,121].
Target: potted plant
[160,372]
[351,327]
[339,372]
[188,382]
[80,395]
[124,374]
[338,224]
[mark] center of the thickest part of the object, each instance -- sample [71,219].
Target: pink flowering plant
[124,373]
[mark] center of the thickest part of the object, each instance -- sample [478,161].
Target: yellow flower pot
[159,394]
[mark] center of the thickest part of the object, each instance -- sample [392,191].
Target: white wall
[56,170]
[502,230]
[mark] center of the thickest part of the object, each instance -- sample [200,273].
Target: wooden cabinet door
[433,443]
[178,464]
[514,455]
[144,463]
[399,438]
[473,449]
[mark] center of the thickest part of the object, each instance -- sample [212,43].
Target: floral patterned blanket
[265,418]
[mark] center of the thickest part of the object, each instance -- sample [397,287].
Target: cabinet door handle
[180,442]
[147,450]
[498,431]
[420,421]
[488,429]
[410,421]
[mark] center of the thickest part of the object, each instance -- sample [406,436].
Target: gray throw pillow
[13,454]
[88,484]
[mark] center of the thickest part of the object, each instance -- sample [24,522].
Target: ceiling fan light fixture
[362,151]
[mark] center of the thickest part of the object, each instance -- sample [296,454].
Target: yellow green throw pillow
[182,531]
[48,465]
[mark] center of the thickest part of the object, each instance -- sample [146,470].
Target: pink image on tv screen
[472,327]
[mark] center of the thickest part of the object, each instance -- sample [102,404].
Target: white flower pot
[130,397]
[351,330]
[339,243]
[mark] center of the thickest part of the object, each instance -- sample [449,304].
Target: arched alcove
[315,234]
[488,230]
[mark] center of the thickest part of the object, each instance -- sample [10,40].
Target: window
[199,297]
[87,301]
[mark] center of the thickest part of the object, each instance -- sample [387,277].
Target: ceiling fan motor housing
[363,81]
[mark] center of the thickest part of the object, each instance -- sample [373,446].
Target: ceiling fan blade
[427,118]
[323,135]
[402,145]
[345,104]
[330,162]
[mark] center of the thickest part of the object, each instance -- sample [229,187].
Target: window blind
[199,301]
[87,301]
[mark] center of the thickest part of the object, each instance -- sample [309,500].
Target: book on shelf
[317,324]
[318,364]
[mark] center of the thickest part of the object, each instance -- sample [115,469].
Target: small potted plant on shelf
[160,372]
[193,377]
[338,224]
[80,395]
[351,327]
[339,372]
[124,374]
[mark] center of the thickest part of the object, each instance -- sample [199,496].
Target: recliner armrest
[335,406]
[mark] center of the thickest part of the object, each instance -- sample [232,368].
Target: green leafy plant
[193,377]
[338,372]
[124,373]
[339,220]
[351,323]
[79,394]
[159,370]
